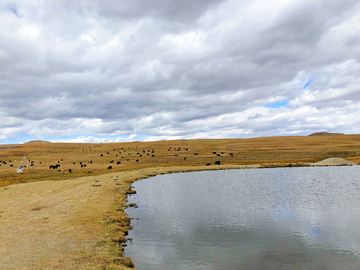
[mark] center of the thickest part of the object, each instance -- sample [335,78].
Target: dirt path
[53,225]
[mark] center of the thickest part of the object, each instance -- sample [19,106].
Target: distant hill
[38,141]
[325,134]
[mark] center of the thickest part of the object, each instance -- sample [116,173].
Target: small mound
[333,162]
[325,134]
[37,141]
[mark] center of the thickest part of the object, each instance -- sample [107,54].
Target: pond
[281,218]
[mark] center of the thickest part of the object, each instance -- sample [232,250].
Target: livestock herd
[124,152]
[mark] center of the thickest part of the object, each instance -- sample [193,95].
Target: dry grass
[264,151]
[80,223]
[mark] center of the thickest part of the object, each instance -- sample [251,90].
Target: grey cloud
[142,65]
[186,10]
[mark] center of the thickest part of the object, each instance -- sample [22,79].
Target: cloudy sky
[120,70]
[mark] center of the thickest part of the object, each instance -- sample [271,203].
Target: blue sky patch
[23,138]
[13,9]
[20,138]
[308,83]
[277,104]
[141,137]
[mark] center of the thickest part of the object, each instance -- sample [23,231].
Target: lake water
[282,218]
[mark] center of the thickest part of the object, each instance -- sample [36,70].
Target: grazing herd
[140,154]
[177,149]
[123,150]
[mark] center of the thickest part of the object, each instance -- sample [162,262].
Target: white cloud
[93,139]
[190,43]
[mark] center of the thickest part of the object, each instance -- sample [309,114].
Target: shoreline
[120,236]
[77,223]
[150,172]
[102,199]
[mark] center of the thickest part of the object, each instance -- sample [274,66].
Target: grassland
[92,198]
[265,151]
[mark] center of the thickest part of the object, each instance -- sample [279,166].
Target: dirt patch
[333,162]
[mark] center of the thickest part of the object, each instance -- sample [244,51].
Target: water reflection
[293,218]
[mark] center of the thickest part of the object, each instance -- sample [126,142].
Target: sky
[148,70]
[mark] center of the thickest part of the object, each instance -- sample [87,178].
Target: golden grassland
[265,151]
[92,199]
